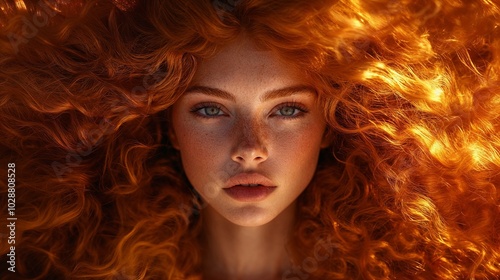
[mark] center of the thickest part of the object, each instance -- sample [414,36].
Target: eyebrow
[272,94]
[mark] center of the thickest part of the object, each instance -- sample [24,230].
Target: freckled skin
[250,136]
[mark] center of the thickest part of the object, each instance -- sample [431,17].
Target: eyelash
[302,110]
[200,106]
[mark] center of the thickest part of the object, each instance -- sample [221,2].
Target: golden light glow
[423,134]
[476,151]
[20,5]
[356,23]
[437,148]
[368,75]
[388,128]
[438,145]
[436,94]
[380,65]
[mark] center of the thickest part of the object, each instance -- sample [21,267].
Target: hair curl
[410,91]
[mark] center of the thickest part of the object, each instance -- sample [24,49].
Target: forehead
[240,63]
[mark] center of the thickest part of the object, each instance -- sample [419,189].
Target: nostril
[248,158]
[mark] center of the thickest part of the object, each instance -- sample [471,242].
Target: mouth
[247,193]
[249,180]
[248,187]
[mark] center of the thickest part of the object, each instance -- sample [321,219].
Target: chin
[249,216]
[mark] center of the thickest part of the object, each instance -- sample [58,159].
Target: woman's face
[247,112]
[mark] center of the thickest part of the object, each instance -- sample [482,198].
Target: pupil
[211,111]
[287,111]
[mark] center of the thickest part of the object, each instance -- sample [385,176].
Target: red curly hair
[409,188]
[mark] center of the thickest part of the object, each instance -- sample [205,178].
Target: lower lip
[247,194]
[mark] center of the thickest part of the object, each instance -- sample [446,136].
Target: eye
[288,111]
[208,110]
[211,111]
[291,110]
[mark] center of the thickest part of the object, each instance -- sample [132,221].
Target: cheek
[301,140]
[200,149]
[297,151]
[199,140]
[196,146]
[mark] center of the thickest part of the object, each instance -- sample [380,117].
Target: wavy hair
[408,189]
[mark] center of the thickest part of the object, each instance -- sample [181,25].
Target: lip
[235,189]
[249,178]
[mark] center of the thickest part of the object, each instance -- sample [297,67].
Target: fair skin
[247,111]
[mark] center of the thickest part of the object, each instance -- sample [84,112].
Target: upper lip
[249,178]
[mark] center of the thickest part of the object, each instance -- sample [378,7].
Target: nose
[250,147]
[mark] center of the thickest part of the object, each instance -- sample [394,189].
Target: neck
[231,251]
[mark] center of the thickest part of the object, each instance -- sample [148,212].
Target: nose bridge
[252,132]
[250,141]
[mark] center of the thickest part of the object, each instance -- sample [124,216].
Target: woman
[252,139]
